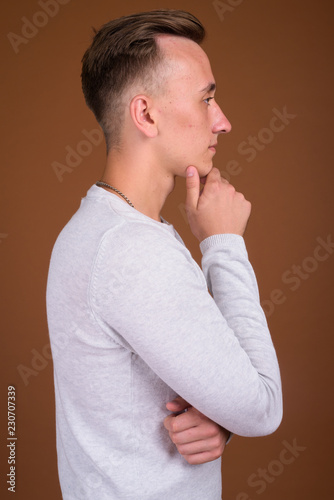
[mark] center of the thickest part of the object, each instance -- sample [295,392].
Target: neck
[142,181]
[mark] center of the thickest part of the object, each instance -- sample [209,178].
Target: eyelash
[207,100]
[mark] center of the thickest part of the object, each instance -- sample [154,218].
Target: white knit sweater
[132,325]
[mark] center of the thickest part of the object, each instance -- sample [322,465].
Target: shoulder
[142,240]
[141,251]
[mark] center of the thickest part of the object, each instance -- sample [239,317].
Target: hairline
[152,86]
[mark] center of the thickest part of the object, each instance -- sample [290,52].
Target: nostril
[227,129]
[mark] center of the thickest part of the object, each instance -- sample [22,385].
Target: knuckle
[172,436]
[216,429]
[191,459]
[215,185]
[213,432]
[176,439]
[218,441]
[181,449]
[221,449]
[173,426]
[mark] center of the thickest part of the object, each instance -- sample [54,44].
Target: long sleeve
[215,351]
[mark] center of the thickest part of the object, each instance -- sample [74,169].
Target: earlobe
[141,114]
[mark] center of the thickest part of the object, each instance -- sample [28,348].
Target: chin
[205,170]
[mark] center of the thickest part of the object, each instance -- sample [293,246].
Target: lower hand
[197,438]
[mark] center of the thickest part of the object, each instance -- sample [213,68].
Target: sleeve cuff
[234,241]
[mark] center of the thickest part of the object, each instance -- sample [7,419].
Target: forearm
[233,284]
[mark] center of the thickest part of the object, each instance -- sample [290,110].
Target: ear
[142,115]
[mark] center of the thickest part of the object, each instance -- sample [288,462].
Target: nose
[221,123]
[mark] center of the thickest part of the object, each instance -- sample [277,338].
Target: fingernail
[190,172]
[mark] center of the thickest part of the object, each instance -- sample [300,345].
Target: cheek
[184,126]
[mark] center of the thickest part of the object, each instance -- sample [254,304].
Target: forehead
[187,62]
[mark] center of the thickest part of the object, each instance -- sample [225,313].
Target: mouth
[213,148]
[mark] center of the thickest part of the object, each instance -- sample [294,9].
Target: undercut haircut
[125,52]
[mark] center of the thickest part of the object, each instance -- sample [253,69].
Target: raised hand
[217,209]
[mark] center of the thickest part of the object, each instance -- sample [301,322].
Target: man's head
[125,52]
[184,120]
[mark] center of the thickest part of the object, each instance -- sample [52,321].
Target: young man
[131,321]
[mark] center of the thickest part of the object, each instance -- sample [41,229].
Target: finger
[177,425]
[201,458]
[186,421]
[213,175]
[213,444]
[191,435]
[178,404]
[194,430]
[168,422]
[212,179]
[193,187]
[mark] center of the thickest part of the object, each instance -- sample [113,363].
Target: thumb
[193,187]
[177,405]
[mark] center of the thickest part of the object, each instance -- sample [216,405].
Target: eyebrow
[209,88]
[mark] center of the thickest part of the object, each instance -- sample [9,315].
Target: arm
[243,314]
[150,295]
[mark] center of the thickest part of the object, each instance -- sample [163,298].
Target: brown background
[265,54]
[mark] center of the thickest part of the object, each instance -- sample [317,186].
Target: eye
[207,100]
